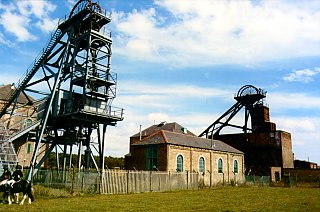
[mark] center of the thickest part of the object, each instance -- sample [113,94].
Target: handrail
[32,68]
[108,110]
[17,122]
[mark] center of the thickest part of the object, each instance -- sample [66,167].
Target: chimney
[140,133]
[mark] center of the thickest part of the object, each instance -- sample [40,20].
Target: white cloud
[47,25]
[18,17]
[216,32]
[304,75]
[17,25]
[166,97]
[301,124]
[175,90]
[281,101]
[305,135]
[39,9]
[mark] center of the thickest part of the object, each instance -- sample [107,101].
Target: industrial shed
[171,147]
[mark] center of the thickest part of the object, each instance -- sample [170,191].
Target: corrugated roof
[163,136]
[172,127]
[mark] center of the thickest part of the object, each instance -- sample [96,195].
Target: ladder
[8,155]
[16,126]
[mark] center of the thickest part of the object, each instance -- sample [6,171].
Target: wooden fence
[117,181]
[122,181]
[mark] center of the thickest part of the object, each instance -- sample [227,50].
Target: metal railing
[257,180]
[19,122]
[109,111]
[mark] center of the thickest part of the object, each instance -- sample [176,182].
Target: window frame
[220,166]
[179,164]
[235,166]
[202,167]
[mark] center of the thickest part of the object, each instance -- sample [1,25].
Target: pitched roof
[5,92]
[172,127]
[163,136]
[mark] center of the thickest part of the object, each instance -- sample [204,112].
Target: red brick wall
[287,154]
[263,150]
[137,160]
[304,175]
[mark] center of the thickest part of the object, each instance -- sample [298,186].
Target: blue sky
[183,61]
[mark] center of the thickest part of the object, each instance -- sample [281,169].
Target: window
[220,167]
[29,148]
[235,166]
[152,157]
[179,163]
[201,165]
[27,123]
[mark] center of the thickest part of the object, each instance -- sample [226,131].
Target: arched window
[179,163]
[235,166]
[27,122]
[201,164]
[220,167]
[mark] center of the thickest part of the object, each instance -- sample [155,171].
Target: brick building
[267,150]
[302,164]
[171,147]
[25,116]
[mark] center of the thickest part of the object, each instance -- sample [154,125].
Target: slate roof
[163,136]
[5,91]
[171,127]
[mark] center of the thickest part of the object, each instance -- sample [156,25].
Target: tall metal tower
[72,88]
[248,97]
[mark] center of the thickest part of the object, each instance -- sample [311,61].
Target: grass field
[217,199]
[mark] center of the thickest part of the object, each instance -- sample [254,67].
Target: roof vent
[162,124]
[184,130]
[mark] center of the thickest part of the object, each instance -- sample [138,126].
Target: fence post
[72,179]
[223,178]
[150,181]
[127,181]
[169,181]
[51,177]
[82,182]
[135,183]
[187,180]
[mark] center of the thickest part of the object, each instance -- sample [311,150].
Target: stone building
[13,128]
[171,147]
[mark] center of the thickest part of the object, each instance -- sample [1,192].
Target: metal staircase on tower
[69,88]
[34,67]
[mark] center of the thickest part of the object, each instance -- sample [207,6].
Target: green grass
[217,199]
